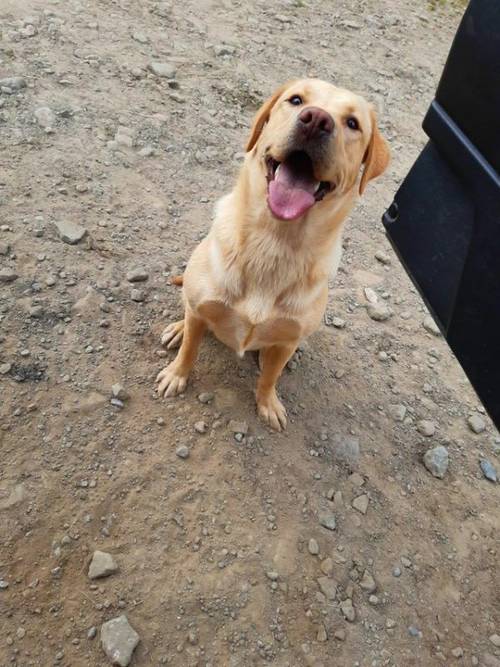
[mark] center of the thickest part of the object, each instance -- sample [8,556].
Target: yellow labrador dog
[259,280]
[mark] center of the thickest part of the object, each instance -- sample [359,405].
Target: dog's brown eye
[352,123]
[296,100]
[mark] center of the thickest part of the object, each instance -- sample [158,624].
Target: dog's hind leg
[173,378]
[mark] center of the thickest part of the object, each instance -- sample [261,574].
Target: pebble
[140,37]
[370,295]
[379,312]
[368,583]
[20,633]
[313,547]
[430,326]
[406,561]
[346,449]
[373,600]
[328,521]
[13,82]
[164,70]
[137,276]
[5,368]
[328,587]
[361,503]
[340,635]
[348,610]
[117,403]
[238,427]
[7,276]
[272,575]
[3,585]
[92,632]
[476,424]
[495,639]
[200,427]
[118,391]
[413,631]
[488,470]
[382,257]
[206,397]
[397,412]
[137,295]
[119,640]
[182,452]
[436,461]
[426,428]
[102,565]
[338,322]
[390,623]
[326,566]
[70,232]
[45,117]
[457,652]
[4,248]
[396,572]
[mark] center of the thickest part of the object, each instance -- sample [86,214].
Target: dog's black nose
[314,123]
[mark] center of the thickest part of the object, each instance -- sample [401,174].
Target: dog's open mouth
[292,188]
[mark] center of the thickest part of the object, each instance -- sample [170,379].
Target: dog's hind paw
[172,335]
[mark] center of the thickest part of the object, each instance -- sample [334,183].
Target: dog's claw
[273,412]
[172,335]
[170,382]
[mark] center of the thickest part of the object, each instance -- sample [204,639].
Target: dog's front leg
[173,378]
[272,361]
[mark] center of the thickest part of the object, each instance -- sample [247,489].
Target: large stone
[119,640]
[13,82]
[102,565]
[70,232]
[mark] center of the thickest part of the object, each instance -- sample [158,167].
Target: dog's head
[311,140]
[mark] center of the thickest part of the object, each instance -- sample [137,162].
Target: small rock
[328,587]
[406,561]
[4,248]
[119,639]
[182,452]
[328,521]
[117,403]
[20,633]
[92,632]
[348,610]
[137,276]
[13,82]
[338,322]
[326,566]
[272,575]
[430,326]
[426,428]
[413,631]
[379,312]
[164,70]
[102,565]
[45,117]
[373,600]
[238,427]
[476,424]
[488,470]
[5,368]
[436,461]
[321,636]
[382,257]
[140,37]
[7,276]
[313,547]
[340,635]
[3,585]
[137,295]
[370,295]
[390,623]
[396,572]
[346,449]
[118,391]
[200,427]
[495,640]
[457,652]
[361,503]
[397,412]
[70,232]
[368,583]
[206,397]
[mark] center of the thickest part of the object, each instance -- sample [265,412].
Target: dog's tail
[177,280]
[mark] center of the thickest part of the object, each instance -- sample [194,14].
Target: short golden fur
[259,282]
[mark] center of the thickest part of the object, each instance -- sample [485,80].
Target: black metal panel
[445,220]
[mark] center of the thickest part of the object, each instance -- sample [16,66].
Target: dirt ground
[214,551]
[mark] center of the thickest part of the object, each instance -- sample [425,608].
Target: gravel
[426,428]
[119,640]
[313,547]
[163,70]
[361,503]
[488,470]
[182,452]
[328,521]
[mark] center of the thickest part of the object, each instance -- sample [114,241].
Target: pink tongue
[291,193]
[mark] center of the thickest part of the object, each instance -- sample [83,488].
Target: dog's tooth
[277,169]
[317,187]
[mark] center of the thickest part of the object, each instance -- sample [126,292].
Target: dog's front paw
[272,411]
[170,381]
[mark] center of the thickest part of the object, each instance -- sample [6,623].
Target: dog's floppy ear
[263,116]
[377,156]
